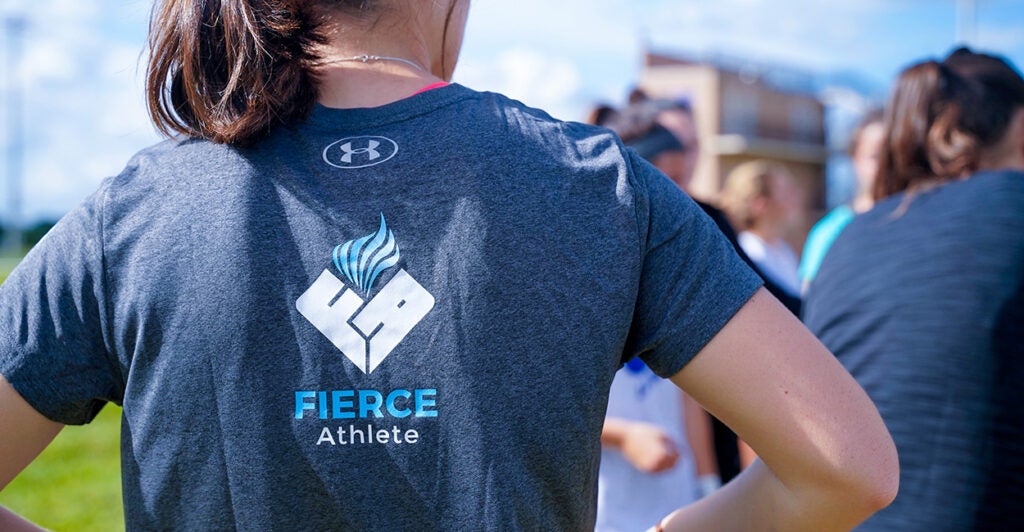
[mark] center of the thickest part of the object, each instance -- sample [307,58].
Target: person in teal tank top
[865,143]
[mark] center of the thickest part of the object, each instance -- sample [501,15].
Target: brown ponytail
[942,116]
[230,70]
[926,140]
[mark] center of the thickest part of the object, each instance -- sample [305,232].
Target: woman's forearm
[12,522]
[826,462]
[758,500]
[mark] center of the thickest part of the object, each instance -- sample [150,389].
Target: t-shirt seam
[690,347]
[10,368]
[106,303]
[396,116]
[638,190]
[7,366]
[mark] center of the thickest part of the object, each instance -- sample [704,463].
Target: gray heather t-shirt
[405,317]
[923,302]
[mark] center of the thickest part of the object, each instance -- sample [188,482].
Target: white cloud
[529,75]
[560,56]
[85,113]
[803,33]
[1000,38]
[80,10]
[50,62]
[83,110]
[597,26]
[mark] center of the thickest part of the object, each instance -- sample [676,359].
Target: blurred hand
[649,448]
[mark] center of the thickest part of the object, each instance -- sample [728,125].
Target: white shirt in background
[776,259]
[627,498]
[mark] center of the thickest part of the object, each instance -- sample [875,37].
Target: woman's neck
[372,84]
[370,66]
[863,203]
[1008,153]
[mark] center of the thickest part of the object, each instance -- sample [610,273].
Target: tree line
[31,235]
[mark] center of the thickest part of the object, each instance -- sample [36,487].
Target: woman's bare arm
[747,455]
[827,460]
[24,433]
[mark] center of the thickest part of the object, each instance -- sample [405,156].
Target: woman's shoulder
[539,125]
[179,163]
[990,188]
[985,211]
[180,156]
[169,175]
[955,204]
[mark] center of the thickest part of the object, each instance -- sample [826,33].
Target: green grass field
[75,484]
[6,265]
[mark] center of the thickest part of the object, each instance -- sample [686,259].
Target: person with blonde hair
[349,294]
[764,201]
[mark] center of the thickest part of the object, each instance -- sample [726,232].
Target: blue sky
[85,116]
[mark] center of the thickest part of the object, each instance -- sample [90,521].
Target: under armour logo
[370,150]
[359,152]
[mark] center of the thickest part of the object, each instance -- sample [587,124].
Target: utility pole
[15,26]
[966,21]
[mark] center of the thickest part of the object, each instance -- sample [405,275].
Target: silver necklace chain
[366,58]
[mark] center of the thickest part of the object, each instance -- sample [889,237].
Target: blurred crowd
[915,285]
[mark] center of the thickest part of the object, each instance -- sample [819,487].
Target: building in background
[746,112]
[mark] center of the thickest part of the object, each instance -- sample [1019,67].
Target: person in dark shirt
[921,297]
[664,132]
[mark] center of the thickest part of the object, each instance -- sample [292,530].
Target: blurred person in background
[679,164]
[678,158]
[864,148]
[349,294]
[731,454]
[922,297]
[601,114]
[657,451]
[657,445]
[763,200]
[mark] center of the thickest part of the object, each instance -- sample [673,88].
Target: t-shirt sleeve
[52,343]
[692,281]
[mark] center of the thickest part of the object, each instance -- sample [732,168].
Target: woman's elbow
[857,476]
[882,488]
[873,478]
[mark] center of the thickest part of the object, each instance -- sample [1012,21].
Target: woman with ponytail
[348,294]
[922,298]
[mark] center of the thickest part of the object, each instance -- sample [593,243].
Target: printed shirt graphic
[365,329]
[527,272]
